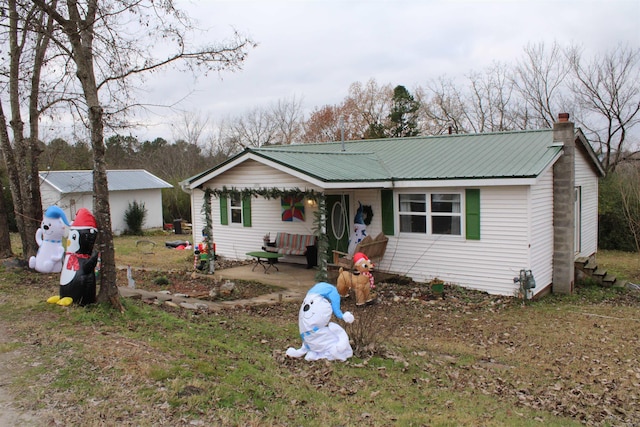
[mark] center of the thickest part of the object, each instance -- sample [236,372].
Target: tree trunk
[108,286]
[20,159]
[82,43]
[5,238]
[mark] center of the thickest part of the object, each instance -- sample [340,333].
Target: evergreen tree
[403,116]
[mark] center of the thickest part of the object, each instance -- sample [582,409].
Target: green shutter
[224,211]
[472,203]
[246,211]
[387,212]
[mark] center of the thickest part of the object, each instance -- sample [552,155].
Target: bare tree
[106,53]
[190,127]
[367,106]
[255,128]
[491,105]
[629,185]
[27,50]
[325,124]
[541,79]
[221,143]
[445,110]
[288,117]
[606,88]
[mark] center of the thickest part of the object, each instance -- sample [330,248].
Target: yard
[468,359]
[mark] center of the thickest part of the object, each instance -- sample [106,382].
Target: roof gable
[81,181]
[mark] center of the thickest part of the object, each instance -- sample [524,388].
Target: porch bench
[291,244]
[373,248]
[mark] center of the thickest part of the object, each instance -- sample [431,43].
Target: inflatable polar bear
[322,339]
[49,237]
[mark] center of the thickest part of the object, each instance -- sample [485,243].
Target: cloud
[315,49]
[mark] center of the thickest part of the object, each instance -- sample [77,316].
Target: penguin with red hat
[78,278]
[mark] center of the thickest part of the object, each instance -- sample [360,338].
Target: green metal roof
[521,154]
[518,154]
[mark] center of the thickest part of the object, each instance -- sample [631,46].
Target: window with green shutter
[386,209]
[224,212]
[236,208]
[246,211]
[472,214]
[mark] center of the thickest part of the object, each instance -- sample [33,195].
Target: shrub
[134,217]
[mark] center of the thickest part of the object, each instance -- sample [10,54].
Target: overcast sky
[314,50]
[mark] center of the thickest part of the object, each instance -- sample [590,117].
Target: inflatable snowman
[78,278]
[322,339]
[49,239]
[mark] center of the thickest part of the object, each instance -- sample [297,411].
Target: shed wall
[119,201]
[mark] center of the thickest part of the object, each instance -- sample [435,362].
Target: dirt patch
[10,358]
[195,285]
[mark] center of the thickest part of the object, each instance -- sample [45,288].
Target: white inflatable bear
[49,239]
[322,339]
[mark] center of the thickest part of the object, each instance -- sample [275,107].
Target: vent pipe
[342,133]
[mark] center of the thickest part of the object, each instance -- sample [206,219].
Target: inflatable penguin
[78,278]
[49,239]
[322,339]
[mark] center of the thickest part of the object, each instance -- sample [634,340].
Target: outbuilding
[73,189]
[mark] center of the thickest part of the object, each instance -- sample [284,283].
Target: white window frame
[235,209]
[429,214]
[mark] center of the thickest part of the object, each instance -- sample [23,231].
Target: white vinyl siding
[541,230]
[489,264]
[235,241]
[118,202]
[587,180]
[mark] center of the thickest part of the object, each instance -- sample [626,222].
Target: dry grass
[467,360]
[622,264]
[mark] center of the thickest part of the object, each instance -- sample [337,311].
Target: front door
[337,223]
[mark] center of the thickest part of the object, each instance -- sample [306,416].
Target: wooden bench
[373,248]
[295,244]
[291,244]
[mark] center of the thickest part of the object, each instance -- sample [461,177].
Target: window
[235,205]
[236,208]
[445,214]
[413,213]
[442,215]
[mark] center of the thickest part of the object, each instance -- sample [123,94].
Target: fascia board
[496,182]
[49,183]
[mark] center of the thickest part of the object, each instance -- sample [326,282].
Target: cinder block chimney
[564,207]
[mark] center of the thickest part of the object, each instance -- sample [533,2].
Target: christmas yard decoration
[361,281]
[49,239]
[78,278]
[321,338]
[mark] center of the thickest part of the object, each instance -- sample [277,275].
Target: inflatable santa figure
[78,278]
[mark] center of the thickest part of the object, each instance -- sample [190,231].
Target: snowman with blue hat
[321,338]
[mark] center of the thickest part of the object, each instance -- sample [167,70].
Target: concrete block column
[564,207]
